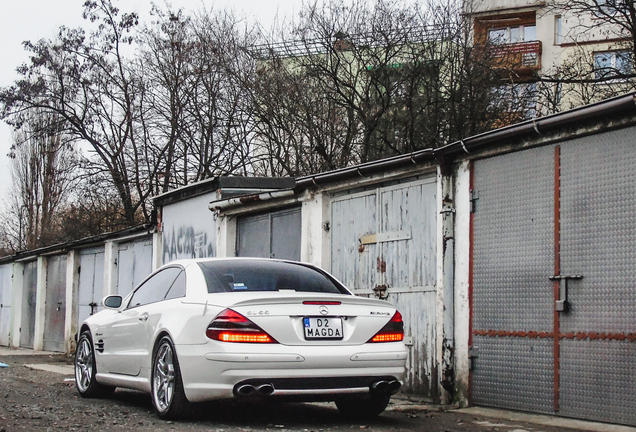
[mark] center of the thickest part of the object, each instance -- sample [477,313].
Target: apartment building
[557,54]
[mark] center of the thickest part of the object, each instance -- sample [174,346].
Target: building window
[605,8]
[608,64]
[558,30]
[511,35]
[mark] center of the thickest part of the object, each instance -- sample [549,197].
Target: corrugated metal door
[134,264]
[91,282]
[384,245]
[29,291]
[6,288]
[55,309]
[270,235]
[553,270]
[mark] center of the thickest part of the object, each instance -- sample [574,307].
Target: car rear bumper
[320,373]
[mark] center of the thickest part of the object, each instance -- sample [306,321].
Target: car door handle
[144,317]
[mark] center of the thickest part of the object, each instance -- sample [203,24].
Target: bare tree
[196,114]
[43,176]
[352,83]
[87,82]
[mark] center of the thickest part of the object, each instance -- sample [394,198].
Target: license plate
[323,328]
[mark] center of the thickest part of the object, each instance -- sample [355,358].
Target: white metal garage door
[383,243]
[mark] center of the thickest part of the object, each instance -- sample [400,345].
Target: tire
[168,396]
[363,408]
[85,370]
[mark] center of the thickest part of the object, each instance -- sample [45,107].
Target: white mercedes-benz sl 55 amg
[219,328]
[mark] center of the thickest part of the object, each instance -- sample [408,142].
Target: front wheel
[168,396]
[85,369]
[363,408]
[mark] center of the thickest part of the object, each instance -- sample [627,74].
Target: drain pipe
[446,300]
[248,199]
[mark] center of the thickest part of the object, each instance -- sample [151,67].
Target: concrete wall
[188,229]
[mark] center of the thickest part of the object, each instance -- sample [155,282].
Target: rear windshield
[263,275]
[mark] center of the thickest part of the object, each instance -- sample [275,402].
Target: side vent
[99,346]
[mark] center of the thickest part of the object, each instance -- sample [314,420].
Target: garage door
[553,297]
[134,264]
[6,288]
[383,244]
[55,307]
[91,282]
[29,291]
[270,235]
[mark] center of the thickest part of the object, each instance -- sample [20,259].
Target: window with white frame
[558,30]
[613,64]
[511,35]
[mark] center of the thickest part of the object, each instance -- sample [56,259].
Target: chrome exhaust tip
[266,389]
[245,390]
[380,387]
[394,386]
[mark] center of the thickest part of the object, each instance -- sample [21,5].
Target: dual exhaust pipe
[250,390]
[385,387]
[382,387]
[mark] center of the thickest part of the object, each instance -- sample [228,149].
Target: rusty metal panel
[353,263]
[407,235]
[418,310]
[134,264]
[385,238]
[55,309]
[91,282]
[29,290]
[513,241]
[598,238]
[6,294]
[189,229]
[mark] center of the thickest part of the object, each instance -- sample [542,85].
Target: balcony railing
[518,56]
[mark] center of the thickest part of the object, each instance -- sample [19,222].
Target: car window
[155,288]
[178,288]
[265,275]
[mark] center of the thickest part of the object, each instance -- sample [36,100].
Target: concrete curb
[545,420]
[10,352]
[62,370]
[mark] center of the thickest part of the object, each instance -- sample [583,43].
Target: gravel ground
[36,400]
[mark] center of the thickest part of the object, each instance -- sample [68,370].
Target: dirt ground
[36,400]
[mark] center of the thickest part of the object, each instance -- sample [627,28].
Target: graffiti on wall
[185,242]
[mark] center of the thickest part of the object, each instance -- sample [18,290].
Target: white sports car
[199,330]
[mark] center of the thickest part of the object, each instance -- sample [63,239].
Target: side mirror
[113,301]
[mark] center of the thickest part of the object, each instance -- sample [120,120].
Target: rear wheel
[85,370]
[168,395]
[363,408]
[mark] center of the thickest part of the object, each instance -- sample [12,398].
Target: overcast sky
[37,19]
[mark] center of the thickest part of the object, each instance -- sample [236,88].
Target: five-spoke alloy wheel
[168,396]
[85,369]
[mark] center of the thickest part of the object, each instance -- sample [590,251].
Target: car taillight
[393,331]
[230,326]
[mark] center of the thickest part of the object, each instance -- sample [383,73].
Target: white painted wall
[315,238]
[461,290]
[188,229]
[16,319]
